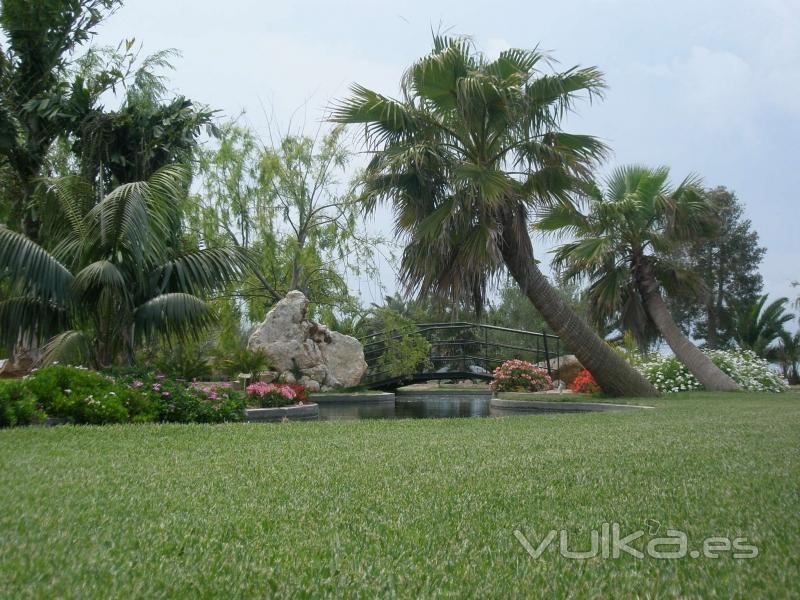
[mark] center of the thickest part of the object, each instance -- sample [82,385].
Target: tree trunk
[611,371]
[706,372]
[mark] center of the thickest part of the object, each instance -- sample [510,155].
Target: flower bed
[751,372]
[78,395]
[274,395]
[584,383]
[520,376]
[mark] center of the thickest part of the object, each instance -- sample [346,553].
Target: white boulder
[306,351]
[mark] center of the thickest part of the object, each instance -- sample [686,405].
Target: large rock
[564,368]
[294,344]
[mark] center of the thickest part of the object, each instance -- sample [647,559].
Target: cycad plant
[464,156]
[114,275]
[622,246]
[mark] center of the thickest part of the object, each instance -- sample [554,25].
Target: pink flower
[156,387]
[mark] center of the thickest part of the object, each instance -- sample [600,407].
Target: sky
[704,86]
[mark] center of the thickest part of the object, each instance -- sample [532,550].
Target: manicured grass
[406,508]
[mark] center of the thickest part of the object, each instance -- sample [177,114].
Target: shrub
[669,375]
[184,363]
[18,406]
[242,361]
[77,394]
[520,376]
[176,402]
[584,383]
[405,350]
[273,395]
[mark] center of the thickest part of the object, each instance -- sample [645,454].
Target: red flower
[584,383]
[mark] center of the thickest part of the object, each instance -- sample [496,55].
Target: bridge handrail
[424,327]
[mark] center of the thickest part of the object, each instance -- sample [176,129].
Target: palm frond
[204,271]
[32,271]
[173,314]
[29,319]
[70,347]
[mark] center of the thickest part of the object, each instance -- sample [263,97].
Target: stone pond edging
[305,412]
[355,397]
[510,406]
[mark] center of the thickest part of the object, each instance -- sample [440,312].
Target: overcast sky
[708,86]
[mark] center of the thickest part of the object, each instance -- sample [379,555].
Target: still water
[417,406]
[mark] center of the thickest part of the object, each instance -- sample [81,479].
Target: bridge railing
[464,350]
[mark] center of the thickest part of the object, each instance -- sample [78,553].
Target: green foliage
[18,405]
[465,155]
[284,202]
[760,326]
[40,100]
[79,395]
[243,360]
[405,351]
[116,275]
[787,354]
[728,263]
[625,242]
[187,362]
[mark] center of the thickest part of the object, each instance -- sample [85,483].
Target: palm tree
[787,353]
[759,325]
[115,275]
[621,247]
[466,154]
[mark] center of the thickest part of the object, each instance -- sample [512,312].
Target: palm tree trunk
[706,372]
[611,371]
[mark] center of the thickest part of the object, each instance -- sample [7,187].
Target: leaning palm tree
[471,148]
[115,275]
[758,326]
[622,246]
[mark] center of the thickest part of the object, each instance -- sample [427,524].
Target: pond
[408,406]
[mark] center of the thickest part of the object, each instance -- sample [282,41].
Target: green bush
[406,350]
[77,394]
[18,405]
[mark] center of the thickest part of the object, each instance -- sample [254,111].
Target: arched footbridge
[461,351]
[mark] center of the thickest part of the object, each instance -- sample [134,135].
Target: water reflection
[417,406]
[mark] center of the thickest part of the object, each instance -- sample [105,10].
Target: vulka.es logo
[609,542]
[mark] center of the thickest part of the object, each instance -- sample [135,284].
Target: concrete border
[305,412]
[504,406]
[352,398]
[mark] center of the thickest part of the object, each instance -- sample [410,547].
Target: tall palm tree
[464,156]
[116,274]
[621,245]
[759,325]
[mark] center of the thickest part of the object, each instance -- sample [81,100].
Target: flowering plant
[520,376]
[669,375]
[584,383]
[266,395]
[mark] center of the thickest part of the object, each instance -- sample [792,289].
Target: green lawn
[404,508]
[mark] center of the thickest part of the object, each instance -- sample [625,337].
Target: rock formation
[307,352]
